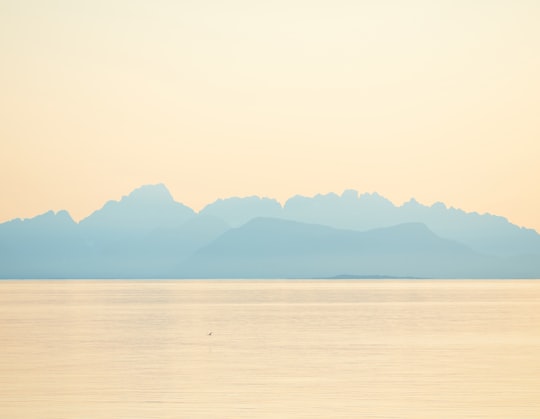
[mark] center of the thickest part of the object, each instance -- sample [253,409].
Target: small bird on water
[209,333]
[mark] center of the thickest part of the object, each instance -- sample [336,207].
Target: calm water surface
[278,349]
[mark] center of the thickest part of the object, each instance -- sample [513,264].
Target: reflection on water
[278,349]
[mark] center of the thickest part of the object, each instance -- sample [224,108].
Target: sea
[392,349]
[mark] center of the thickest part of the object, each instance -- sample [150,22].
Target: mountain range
[147,234]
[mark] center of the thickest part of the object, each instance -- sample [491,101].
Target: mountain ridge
[148,234]
[285,248]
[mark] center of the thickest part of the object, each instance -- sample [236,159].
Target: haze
[433,99]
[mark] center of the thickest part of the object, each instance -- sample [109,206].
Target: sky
[436,100]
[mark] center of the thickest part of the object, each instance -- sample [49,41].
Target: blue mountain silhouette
[145,234]
[37,247]
[484,233]
[238,211]
[145,209]
[273,248]
[148,234]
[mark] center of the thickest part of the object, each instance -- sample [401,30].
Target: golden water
[278,349]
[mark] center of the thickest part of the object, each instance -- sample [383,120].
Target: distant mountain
[45,245]
[274,248]
[485,233]
[143,210]
[147,234]
[238,211]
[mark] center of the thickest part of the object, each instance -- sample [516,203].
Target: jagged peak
[149,193]
[251,198]
[50,216]
[374,197]
[412,203]
[238,200]
[439,205]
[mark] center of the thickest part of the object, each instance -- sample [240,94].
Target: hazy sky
[439,100]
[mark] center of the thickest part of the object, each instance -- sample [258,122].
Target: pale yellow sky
[439,100]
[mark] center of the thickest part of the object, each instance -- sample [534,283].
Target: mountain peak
[412,203]
[149,194]
[146,208]
[374,198]
[50,217]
